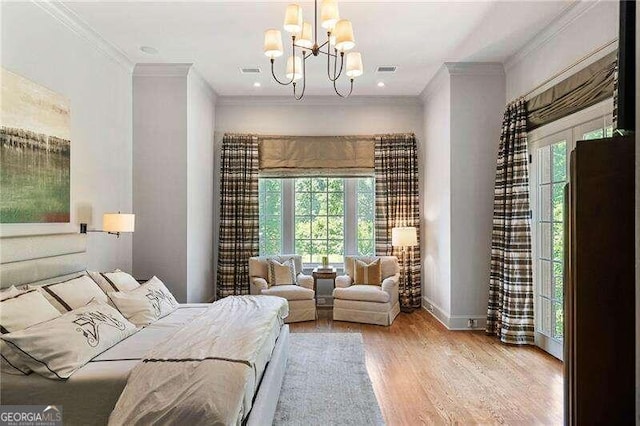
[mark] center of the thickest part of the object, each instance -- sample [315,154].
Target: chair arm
[343,281]
[305,281]
[390,284]
[257,285]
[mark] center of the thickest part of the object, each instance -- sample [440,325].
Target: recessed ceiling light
[257,84]
[149,50]
[381,84]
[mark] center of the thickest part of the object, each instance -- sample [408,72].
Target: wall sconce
[114,224]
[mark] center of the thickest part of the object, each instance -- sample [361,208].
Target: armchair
[301,296]
[371,304]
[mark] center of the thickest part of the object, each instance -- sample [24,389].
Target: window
[317,216]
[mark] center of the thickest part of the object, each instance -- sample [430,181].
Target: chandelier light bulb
[298,68]
[329,14]
[293,19]
[354,64]
[305,39]
[273,43]
[344,35]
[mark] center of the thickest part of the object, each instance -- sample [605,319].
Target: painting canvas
[35,152]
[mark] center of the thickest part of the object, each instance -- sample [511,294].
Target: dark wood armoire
[600,275]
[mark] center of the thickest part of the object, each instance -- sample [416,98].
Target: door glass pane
[558,312]
[546,315]
[558,281]
[544,164]
[559,161]
[545,278]
[558,241]
[544,203]
[545,240]
[558,202]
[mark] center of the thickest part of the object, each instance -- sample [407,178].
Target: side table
[320,273]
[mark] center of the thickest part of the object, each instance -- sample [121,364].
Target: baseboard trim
[453,322]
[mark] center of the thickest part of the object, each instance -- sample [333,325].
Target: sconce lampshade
[118,222]
[404,236]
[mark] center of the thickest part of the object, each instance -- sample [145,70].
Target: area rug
[326,382]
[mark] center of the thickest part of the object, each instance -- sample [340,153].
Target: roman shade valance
[290,156]
[583,89]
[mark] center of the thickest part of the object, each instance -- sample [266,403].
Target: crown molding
[474,68]
[436,82]
[74,23]
[318,101]
[204,84]
[161,69]
[559,24]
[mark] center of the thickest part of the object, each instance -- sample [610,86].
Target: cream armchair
[301,297]
[371,304]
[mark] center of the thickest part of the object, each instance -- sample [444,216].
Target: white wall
[588,26]
[200,213]
[315,116]
[52,53]
[173,178]
[436,202]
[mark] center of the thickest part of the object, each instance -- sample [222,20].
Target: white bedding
[90,394]
[209,371]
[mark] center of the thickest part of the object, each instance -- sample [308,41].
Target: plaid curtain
[398,204]
[510,311]
[239,221]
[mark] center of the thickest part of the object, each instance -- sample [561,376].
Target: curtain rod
[579,61]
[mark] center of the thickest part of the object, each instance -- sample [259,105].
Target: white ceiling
[221,37]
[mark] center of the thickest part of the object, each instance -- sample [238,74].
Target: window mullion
[350,216]
[288,207]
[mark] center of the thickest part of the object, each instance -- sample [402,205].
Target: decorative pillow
[114,281]
[10,292]
[367,273]
[24,310]
[57,348]
[146,304]
[74,293]
[281,273]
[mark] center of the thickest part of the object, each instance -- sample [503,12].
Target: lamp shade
[305,39]
[293,19]
[298,67]
[404,236]
[273,43]
[329,14]
[344,35]
[118,222]
[354,64]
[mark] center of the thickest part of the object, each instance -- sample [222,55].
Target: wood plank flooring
[423,373]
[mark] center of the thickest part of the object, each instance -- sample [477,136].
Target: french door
[550,148]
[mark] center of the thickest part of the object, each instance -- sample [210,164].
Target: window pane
[544,164]
[596,134]
[336,203]
[270,215]
[319,228]
[558,279]
[303,248]
[272,203]
[365,247]
[545,203]
[303,228]
[558,241]
[545,278]
[365,229]
[608,132]
[303,204]
[545,240]
[319,204]
[558,202]
[335,251]
[366,184]
[365,204]
[319,248]
[319,184]
[560,161]
[559,320]
[272,185]
[303,185]
[336,228]
[336,185]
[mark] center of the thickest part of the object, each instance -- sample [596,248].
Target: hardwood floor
[423,373]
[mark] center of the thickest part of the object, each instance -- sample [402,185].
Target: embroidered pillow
[281,273]
[367,273]
[114,281]
[146,304]
[56,349]
[74,293]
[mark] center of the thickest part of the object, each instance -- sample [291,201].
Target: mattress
[90,394]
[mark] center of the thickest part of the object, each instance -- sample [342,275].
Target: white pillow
[24,310]
[114,281]
[146,304]
[57,348]
[281,273]
[74,293]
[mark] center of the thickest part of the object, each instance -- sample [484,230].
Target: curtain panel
[510,310]
[398,204]
[239,220]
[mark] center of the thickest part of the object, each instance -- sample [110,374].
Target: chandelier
[339,41]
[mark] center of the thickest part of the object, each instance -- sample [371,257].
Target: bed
[91,393]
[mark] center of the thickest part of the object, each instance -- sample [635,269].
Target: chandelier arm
[273,73]
[315,21]
[304,78]
[336,73]
[335,88]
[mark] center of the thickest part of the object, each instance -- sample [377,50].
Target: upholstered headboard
[41,258]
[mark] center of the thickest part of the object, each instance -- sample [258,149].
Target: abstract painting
[35,152]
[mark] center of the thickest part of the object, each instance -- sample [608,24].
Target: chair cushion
[290,292]
[281,273]
[367,273]
[365,293]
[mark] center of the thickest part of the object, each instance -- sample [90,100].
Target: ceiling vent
[387,69]
[250,70]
